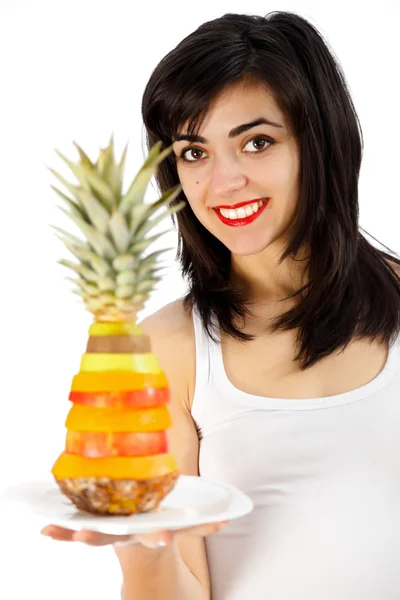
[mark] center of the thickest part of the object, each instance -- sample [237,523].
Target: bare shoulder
[170,329]
[170,320]
[171,333]
[394,266]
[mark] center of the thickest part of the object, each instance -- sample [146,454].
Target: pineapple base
[105,496]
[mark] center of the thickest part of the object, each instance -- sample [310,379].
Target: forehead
[239,104]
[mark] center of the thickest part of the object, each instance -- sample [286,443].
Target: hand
[149,540]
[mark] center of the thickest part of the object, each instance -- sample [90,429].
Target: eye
[259,139]
[182,155]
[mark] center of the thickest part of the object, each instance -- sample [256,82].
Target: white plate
[193,501]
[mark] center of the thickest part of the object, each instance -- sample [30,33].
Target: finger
[93,538]
[58,533]
[203,530]
[157,539]
[165,537]
[162,538]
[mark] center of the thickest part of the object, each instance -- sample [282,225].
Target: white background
[76,70]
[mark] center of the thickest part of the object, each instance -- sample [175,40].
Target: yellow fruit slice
[97,329]
[119,467]
[114,381]
[93,418]
[141,363]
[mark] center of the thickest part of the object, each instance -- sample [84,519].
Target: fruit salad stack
[115,460]
[116,427]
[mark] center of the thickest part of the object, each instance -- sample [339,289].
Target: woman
[286,356]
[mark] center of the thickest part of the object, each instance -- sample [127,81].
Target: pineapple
[115,460]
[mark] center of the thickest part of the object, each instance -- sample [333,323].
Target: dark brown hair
[351,291]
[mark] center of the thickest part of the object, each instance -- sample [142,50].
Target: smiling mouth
[244,215]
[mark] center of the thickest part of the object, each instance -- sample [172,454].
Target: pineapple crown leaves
[115,227]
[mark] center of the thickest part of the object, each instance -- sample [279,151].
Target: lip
[244,221]
[239,204]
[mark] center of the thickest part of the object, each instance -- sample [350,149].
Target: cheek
[192,188]
[187,182]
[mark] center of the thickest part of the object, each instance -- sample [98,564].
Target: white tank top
[324,476]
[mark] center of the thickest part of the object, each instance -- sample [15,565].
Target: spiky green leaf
[121,165]
[106,157]
[99,242]
[73,206]
[145,286]
[78,282]
[168,197]
[94,304]
[105,284]
[124,291]
[136,191]
[85,160]
[107,298]
[88,274]
[138,218]
[101,190]
[80,251]
[69,264]
[98,215]
[148,225]
[155,156]
[82,270]
[120,232]
[80,293]
[69,236]
[110,171]
[124,262]
[140,245]
[71,188]
[91,289]
[138,299]
[147,271]
[153,257]
[100,265]
[125,278]
[77,169]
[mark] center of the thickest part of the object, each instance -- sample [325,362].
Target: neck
[263,280]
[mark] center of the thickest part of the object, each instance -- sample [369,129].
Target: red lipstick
[239,204]
[244,220]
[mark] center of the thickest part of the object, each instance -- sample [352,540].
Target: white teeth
[242,212]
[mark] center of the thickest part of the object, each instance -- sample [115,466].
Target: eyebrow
[232,134]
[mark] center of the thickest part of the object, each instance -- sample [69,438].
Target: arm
[158,574]
[180,570]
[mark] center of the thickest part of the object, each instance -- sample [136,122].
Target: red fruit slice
[102,445]
[123,399]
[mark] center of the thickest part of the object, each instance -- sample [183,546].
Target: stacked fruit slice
[116,458]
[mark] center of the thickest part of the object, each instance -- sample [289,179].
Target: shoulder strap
[203,341]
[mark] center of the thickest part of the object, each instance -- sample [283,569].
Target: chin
[247,247]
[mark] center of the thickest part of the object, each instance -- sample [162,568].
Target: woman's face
[224,168]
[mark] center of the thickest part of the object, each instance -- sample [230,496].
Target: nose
[226,178]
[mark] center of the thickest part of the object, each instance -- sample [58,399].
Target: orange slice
[109,420]
[119,467]
[109,381]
